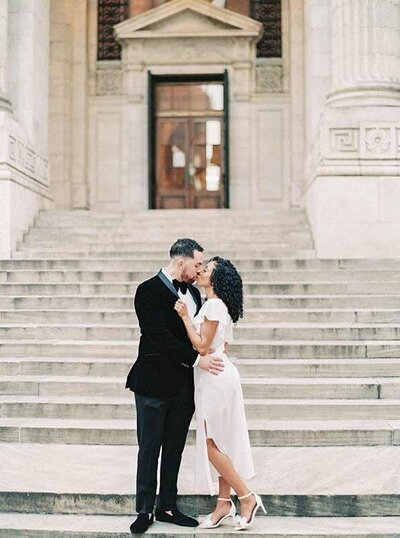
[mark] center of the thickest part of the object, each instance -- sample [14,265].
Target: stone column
[353,190]
[24,51]
[4,100]
[365,51]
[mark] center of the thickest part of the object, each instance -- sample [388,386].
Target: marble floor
[289,471]
[264,526]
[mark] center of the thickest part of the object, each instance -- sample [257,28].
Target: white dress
[219,405]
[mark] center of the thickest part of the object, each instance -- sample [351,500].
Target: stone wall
[263,155]
[24,31]
[353,129]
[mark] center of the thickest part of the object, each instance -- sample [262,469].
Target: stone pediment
[187,18]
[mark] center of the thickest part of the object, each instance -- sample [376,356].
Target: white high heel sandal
[208,524]
[241,523]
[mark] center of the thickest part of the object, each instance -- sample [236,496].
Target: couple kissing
[182,367]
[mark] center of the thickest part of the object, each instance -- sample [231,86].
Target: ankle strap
[245,496]
[221,499]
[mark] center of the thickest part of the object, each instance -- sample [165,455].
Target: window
[269,13]
[110,12]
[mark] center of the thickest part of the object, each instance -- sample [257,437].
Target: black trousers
[161,424]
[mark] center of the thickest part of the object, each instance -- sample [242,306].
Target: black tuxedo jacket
[166,355]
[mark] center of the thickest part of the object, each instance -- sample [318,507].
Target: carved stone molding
[362,142]
[344,140]
[379,142]
[109,81]
[269,78]
[26,160]
[196,50]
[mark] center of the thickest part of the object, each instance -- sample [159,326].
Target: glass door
[189,130]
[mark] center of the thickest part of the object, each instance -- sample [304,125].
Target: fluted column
[4,100]
[365,51]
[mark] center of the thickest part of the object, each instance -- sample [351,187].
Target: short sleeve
[215,310]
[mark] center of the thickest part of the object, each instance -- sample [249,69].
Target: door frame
[152,80]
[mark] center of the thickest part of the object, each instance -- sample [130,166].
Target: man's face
[191,267]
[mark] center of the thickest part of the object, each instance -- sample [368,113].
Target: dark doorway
[188,143]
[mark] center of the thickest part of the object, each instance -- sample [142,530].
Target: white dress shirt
[188,299]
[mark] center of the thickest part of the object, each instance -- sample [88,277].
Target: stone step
[391,288]
[293,481]
[131,246]
[83,526]
[261,275]
[260,387]
[245,331]
[192,223]
[166,236]
[263,349]
[317,315]
[274,368]
[243,262]
[263,433]
[102,407]
[272,302]
[93,252]
[261,315]
[322,301]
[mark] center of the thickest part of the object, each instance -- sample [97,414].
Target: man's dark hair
[184,248]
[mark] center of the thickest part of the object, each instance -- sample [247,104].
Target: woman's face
[204,277]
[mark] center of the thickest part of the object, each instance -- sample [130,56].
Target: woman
[222,437]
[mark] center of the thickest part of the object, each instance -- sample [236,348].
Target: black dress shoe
[177,518]
[141,523]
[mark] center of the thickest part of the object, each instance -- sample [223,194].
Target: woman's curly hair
[227,284]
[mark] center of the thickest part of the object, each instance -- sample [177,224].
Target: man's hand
[214,365]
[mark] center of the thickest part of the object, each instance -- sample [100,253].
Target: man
[162,380]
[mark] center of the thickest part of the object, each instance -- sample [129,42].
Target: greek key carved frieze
[364,142]
[21,156]
[344,140]
[25,159]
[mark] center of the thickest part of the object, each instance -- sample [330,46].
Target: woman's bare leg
[222,507]
[229,478]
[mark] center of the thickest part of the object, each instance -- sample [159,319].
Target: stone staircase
[318,353]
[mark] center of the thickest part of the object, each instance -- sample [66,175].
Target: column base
[368,94]
[355,216]
[18,209]
[24,185]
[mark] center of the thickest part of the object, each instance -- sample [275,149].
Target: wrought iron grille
[269,13]
[110,12]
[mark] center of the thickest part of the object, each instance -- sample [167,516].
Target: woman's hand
[181,308]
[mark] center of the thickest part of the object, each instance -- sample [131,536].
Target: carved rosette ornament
[363,142]
[378,140]
[269,78]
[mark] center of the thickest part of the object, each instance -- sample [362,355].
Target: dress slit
[220,411]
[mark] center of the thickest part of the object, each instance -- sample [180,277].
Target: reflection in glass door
[189,130]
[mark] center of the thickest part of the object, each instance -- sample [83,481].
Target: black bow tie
[180,286]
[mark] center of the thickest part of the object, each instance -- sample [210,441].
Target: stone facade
[24,101]
[316,128]
[259,102]
[353,188]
